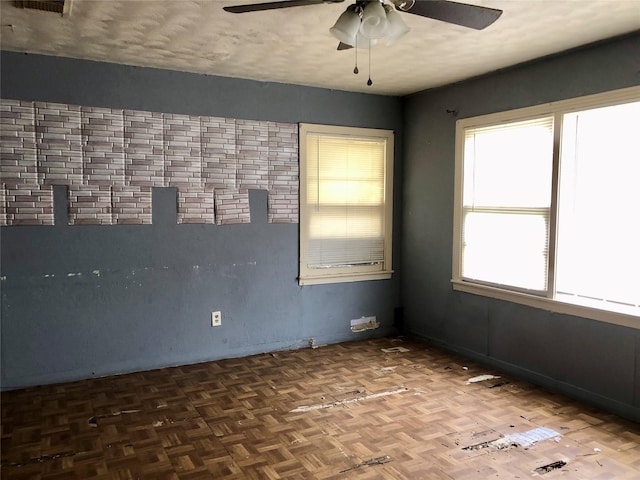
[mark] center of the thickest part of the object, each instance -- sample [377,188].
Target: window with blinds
[599,207]
[506,203]
[546,206]
[345,211]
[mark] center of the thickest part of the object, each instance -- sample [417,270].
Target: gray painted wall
[158,283]
[150,304]
[591,360]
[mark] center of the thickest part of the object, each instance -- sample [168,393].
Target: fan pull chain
[369,82]
[355,70]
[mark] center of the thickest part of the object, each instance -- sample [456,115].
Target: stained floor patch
[497,444]
[369,463]
[522,439]
[395,350]
[42,459]
[552,466]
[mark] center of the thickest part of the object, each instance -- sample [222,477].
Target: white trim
[345,278]
[549,304]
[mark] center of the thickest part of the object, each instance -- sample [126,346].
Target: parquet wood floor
[340,411]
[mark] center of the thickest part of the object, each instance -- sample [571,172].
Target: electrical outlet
[216,319]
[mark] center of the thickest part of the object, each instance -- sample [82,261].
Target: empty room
[313,239]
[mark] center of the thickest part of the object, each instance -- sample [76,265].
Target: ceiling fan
[365,22]
[472,16]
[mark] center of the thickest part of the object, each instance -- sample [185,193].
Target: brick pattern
[144,149]
[252,150]
[196,205]
[29,204]
[3,205]
[143,167]
[18,143]
[102,166]
[110,159]
[59,144]
[102,146]
[232,206]
[25,201]
[183,168]
[131,204]
[90,205]
[283,205]
[182,156]
[219,160]
[283,173]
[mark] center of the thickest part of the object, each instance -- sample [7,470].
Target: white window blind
[346,191]
[345,201]
[506,203]
[599,206]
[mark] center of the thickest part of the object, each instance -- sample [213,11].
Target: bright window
[548,206]
[505,223]
[599,206]
[345,204]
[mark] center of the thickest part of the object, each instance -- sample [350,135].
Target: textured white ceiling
[293,45]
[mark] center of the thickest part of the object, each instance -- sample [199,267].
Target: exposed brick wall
[219,159]
[131,204]
[90,205]
[144,149]
[26,201]
[3,205]
[283,205]
[29,204]
[58,143]
[143,167]
[18,160]
[232,206]
[110,159]
[283,173]
[196,205]
[252,143]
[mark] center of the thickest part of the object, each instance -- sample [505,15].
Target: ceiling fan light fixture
[374,20]
[364,42]
[347,26]
[397,28]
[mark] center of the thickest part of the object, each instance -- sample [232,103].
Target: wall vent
[62,7]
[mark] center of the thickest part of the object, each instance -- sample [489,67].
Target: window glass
[506,202]
[599,205]
[345,225]
[547,206]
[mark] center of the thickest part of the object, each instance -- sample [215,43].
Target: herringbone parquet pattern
[339,411]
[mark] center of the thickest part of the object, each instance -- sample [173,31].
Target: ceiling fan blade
[472,16]
[256,7]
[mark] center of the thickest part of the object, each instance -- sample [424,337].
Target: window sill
[552,305]
[357,277]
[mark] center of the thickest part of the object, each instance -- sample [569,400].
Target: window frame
[307,276]
[547,301]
